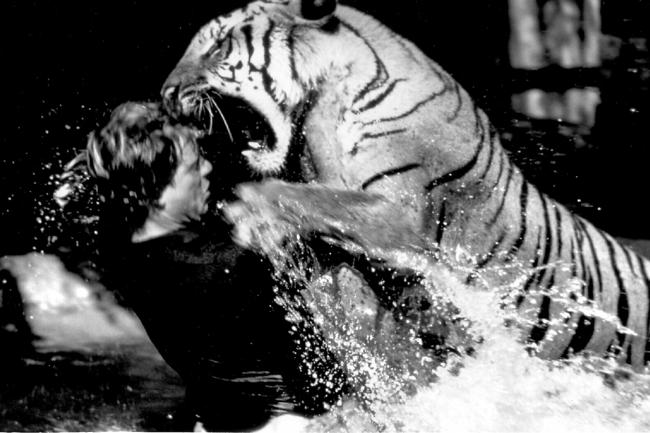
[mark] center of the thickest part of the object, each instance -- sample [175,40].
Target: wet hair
[133,159]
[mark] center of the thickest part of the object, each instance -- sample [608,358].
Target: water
[499,388]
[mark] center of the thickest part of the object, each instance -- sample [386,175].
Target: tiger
[334,98]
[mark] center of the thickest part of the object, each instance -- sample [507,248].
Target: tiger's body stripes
[377,115]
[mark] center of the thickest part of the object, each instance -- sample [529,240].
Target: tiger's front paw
[258,224]
[241,216]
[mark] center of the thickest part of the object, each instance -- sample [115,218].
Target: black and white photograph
[325,216]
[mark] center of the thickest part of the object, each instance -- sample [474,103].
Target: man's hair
[133,159]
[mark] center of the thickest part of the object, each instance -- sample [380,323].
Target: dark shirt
[208,306]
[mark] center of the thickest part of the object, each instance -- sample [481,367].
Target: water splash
[500,387]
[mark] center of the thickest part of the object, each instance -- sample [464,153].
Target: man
[207,304]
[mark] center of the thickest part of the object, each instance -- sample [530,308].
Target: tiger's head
[282,73]
[261,57]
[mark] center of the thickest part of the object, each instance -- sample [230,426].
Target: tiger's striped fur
[374,114]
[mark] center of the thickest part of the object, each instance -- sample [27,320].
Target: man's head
[148,166]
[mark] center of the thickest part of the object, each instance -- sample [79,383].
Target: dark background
[68,64]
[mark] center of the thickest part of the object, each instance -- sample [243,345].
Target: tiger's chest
[341,154]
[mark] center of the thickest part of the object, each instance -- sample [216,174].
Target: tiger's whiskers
[223,118]
[204,107]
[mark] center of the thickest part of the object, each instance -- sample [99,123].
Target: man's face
[186,198]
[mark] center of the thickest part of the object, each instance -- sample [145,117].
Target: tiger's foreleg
[355,220]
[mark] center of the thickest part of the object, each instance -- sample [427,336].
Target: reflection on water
[91,366]
[118,388]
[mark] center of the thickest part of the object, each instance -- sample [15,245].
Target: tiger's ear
[96,165]
[314,10]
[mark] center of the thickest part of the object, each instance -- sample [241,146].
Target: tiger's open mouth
[251,129]
[234,120]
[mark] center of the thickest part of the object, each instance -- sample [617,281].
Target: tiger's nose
[170,92]
[170,97]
